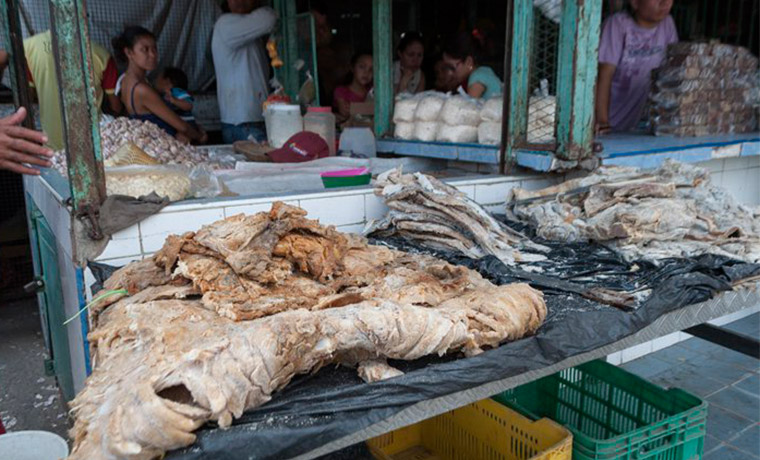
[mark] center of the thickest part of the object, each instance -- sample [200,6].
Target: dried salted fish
[421,206]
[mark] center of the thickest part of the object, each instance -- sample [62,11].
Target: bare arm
[153,103]
[20,146]
[187,106]
[114,104]
[476,90]
[603,86]
[344,110]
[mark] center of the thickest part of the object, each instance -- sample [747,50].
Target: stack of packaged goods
[704,89]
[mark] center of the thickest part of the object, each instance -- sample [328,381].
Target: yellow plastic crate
[485,430]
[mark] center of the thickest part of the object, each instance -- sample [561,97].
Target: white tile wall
[714,166]
[543,182]
[341,210]
[741,163]
[122,244]
[374,207]
[247,209]
[743,184]
[494,193]
[468,190]
[253,207]
[495,208]
[355,228]
[156,228]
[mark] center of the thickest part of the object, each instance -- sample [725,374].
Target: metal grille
[542,104]
[183,29]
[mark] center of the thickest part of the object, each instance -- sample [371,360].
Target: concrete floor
[29,400]
[728,380]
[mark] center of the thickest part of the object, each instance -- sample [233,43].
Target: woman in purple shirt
[632,45]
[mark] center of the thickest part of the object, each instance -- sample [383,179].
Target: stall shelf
[646,151]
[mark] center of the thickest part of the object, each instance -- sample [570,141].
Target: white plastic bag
[493,109]
[406,105]
[460,110]
[404,130]
[489,133]
[429,107]
[459,134]
[169,181]
[426,130]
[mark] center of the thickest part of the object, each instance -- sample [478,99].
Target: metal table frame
[681,319]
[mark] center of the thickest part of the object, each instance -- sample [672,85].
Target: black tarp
[314,410]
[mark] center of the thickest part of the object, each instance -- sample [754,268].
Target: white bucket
[32,445]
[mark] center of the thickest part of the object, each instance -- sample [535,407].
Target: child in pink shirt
[632,45]
[356,90]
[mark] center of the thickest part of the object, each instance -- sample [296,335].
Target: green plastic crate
[614,414]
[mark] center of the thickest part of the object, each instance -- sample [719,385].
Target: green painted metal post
[505,153]
[382,49]
[17,60]
[576,78]
[81,133]
[288,46]
[520,44]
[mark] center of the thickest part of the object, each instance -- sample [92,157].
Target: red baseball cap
[303,146]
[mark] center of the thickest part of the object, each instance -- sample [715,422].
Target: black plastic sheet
[314,410]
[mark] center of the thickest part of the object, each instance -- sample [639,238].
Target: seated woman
[461,57]
[407,72]
[137,47]
[360,83]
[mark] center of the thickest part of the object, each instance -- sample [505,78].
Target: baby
[172,83]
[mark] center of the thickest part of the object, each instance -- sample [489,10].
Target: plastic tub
[346,177]
[484,430]
[32,445]
[614,414]
[321,120]
[282,121]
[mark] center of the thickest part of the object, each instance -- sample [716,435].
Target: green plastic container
[346,177]
[614,414]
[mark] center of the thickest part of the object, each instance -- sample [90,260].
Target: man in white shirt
[242,68]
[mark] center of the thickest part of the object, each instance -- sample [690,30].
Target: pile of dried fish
[671,212]
[439,216]
[145,135]
[222,318]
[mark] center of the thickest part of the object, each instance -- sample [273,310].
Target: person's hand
[20,146]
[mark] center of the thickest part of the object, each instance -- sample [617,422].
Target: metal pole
[81,133]
[17,60]
[382,49]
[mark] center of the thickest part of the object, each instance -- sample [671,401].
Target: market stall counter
[57,246]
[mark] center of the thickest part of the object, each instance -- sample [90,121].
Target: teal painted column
[576,78]
[382,50]
[81,131]
[516,89]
